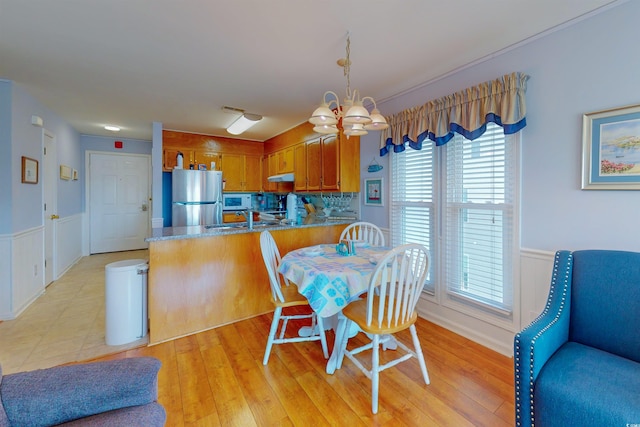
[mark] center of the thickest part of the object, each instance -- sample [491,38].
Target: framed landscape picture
[373,192]
[611,149]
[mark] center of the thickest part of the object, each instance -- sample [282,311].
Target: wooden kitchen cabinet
[285,160]
[330,163]
[266,185]
[169,158]
[232,166]
[320,163]
[314,165]
[349,164]
[206,158]
[300,167]
[190,157]
[273,170]
[252,181]
[241,172]
[269,168]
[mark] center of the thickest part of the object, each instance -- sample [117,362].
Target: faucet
[248,214]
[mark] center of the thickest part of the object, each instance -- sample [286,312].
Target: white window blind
[458,201]
[478,220]
[412,201]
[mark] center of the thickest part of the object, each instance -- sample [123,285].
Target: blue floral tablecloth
[328,280]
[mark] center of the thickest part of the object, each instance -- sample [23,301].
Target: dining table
[330,280]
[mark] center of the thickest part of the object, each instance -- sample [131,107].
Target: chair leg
[416,344]
[272,334]
[342,338]
[323,338]
[375,373]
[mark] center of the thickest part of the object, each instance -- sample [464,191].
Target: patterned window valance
[467,112]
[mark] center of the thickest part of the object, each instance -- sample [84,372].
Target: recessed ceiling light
[112,128]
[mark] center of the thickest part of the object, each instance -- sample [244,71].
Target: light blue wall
[22,210]
[68,147]
[26,140]
[103,143]
[589,66]
[5,157]
[20,203]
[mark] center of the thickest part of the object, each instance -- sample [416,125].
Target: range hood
[285,177]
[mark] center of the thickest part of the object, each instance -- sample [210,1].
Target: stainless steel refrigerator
[196,197]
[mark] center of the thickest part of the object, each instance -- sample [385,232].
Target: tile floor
[67,323]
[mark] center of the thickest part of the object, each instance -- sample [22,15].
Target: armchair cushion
[564,391]
[605,301]
[61,394]
[578,363]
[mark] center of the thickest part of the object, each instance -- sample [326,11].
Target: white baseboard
[505,348]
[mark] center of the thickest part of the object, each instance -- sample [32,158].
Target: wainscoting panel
[5,277]
[69,231]
[27,269]
[387,236]
[535,278]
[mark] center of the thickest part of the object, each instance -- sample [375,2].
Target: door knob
[54,217]
[144,207]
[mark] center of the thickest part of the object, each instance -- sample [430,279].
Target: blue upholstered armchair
[115,393]
[578,363]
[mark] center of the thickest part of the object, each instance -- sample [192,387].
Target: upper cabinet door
[330,163]
[232,166]
[300,167]
[170,159]
[207,158]
[252,177]
[285,160]
[314,165]
[349,164]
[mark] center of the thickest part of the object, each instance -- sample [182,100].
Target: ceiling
[132,62]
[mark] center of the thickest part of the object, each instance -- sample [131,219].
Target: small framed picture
[373,192]
[65,172]
[29,170]
[611,149]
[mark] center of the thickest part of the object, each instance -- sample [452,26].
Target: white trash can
[126,301]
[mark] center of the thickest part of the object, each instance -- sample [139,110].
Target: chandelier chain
[347,64]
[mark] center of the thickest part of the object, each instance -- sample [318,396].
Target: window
[459,201]
[412,204]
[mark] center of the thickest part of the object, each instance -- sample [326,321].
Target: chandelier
[355,118]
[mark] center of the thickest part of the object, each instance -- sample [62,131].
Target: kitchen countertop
[190,232]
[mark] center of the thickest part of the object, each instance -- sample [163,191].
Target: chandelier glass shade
[351,115]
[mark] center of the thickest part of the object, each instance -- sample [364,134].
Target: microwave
[236,202]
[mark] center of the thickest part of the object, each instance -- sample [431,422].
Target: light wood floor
[66,323]
[217,378]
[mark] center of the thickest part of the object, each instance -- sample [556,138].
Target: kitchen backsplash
[341,204]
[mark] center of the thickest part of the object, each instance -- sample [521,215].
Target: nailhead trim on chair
[552,289]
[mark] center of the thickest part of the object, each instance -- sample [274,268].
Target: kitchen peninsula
[203,278]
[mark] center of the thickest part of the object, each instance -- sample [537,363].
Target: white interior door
[118,201]
[50,200]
